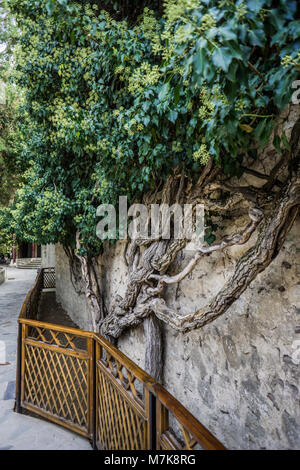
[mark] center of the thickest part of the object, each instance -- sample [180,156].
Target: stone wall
[240,375]
[48,256]
[71,300]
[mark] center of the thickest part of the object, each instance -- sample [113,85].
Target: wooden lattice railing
[77,379]
[49,278]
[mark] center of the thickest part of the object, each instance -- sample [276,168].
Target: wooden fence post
[152,416]
[94,406]
[19,370]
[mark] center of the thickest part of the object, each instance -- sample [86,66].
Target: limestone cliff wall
[240,375]
[48,256]
[72,301]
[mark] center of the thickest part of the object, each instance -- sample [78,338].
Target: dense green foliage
[112,106]
[10,135]
[10,138]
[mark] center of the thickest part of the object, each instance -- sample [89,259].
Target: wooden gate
[77,379]
[57,375]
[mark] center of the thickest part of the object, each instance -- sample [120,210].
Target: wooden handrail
[24,307]
[139,373]
[35,290]
[55,327]
[199,432]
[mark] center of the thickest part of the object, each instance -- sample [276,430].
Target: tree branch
[254,261]
[255,214]
[272,234]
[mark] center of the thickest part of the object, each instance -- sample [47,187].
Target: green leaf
[146,120]
[236,51]
[210,239]
[276,19]
[266,133]
[50,7]
[164,92]
[283,92]
[172,116]
[227,33]
[256,37]
[209,72]
[231,74]
[255,5]
[222,58]
[259,129]
[276,143]
[199,61]
[176,94]
[285,141]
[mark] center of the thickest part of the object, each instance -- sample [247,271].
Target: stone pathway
[19,431]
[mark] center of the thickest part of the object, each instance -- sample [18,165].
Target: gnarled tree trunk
[271,213]
[272,209]
[154,348]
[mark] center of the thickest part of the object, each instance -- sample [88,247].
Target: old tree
[165,102]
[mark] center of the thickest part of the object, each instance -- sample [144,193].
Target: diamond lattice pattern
[120,425]
[57,384]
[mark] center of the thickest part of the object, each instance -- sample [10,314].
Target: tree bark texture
[272,209]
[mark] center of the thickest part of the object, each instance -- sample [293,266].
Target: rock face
[2,275]
[73,301]
[48,256]
[238,375]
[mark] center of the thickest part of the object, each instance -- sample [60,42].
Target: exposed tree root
[148,271]
[272,212]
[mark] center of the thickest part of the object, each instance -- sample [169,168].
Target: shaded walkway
[20,431]
[52,312]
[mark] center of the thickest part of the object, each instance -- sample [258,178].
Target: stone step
[29,263]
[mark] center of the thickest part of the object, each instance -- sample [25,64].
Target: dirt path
[52,312]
